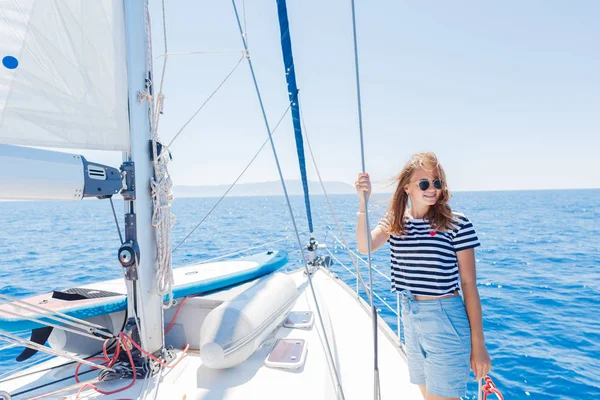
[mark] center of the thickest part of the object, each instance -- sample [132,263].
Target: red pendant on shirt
[432,233]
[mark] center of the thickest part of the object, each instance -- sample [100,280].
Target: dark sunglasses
[424,184]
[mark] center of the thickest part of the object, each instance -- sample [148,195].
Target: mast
[143,298]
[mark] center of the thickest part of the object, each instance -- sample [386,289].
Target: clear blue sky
[506,93]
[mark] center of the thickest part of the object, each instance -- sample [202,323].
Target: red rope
[110,363]
[123,339]
[137,346]
[490,387]
[107,360]
[175,316]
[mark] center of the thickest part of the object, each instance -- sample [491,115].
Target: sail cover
[63,76]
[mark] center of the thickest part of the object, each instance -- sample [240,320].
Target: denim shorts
[437,337]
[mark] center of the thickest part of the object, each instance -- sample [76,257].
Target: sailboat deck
[348,327]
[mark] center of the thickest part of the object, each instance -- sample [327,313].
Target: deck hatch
[300,319]
[288,354]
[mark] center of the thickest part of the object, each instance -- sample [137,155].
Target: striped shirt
[424,261]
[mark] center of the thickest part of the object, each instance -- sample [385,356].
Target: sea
[538,267]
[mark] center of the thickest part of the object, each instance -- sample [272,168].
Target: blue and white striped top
[424,261]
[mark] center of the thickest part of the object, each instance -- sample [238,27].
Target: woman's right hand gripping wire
[362,185]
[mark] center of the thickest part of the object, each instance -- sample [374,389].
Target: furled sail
[290,76]
[63,76]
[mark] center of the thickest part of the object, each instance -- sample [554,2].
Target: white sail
[63,76]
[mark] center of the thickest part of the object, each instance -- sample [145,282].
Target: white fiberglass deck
[349,331]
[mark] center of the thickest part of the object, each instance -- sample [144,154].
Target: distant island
[272,188]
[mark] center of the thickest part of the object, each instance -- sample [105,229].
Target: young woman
[431,248]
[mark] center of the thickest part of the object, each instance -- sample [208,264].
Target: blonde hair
[439,215]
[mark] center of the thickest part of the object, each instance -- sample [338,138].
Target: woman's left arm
[481,363]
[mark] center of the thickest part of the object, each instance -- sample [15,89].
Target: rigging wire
[112,205]
[48,313]
[205,101]
[32,389]
[57,326]
[236,180]
[247,249]
[376,384]
[8,337]
[159,102]
[188,53]
[161,183]
[245,24]
[39,359]
[37,371]
[331,360]
[337,222]
[10,346]
[164,20]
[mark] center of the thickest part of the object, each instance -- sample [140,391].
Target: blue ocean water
[538,268]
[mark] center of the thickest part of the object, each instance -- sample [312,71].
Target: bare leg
[423,391]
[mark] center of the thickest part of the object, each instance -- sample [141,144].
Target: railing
[484,388]
[396,311]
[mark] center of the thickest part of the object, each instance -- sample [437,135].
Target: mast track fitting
[128,176]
